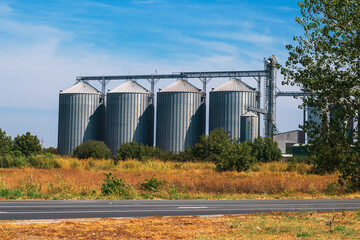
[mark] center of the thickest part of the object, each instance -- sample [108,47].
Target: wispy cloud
[246,36]
[147,1]
[17,32]
[284,8]
[5,9]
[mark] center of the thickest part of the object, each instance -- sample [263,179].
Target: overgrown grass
[54,177]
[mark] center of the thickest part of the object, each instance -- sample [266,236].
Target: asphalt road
[17,210]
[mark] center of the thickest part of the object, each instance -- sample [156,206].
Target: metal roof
[81,87]
[233,85]
[249,114]
[181,86]
[129,87]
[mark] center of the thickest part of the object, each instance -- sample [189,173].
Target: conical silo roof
[81,87]
[129,87]
[249,114]
[233,85]
[181,86]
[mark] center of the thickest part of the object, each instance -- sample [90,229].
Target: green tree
[325,60]
[265,149]
[27,144]
[132,150]
[237,157]
[6,144]
[92,148]
[212,145]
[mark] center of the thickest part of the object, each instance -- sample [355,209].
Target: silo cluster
[180,116]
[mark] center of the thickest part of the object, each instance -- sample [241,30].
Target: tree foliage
[265,149]
[325,60]
[6,143]
[92,148]
[27,144]
[132,150]
[237,157]
[212,145]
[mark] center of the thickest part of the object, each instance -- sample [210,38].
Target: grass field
[278,225]
[82,179]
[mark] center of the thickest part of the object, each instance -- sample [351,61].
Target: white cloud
[26,33]
[246,36]
[5,10]
[147,1]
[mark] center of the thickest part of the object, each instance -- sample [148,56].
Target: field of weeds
[307,225]
[83,179]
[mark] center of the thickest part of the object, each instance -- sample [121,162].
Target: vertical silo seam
[178,116]
[129,116]
[78,116]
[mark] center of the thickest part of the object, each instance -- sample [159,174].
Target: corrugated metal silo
[249,126]
[129,116]
[81,114]
[227,103]
[180,116]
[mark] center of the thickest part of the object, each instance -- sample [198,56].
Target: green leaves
[27,144]
[93,149]
[325,60]
[238,157]
[6,144]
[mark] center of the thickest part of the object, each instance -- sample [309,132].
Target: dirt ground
[279,225]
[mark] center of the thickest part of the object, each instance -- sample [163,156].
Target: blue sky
[44,45]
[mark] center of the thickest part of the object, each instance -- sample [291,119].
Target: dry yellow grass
[83,179]
[344,225]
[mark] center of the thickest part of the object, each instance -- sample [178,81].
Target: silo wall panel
[80,120]
[180,120]
[226,108]
[249,128]
[129,117]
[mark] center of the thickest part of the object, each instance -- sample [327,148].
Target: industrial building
[287,139]
[180,109]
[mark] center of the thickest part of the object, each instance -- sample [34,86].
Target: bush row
[14,159]
[217,147]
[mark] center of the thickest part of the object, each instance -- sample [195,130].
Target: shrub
[238,157]
[153,184]
[184,156]
[43,162]
[93,149]
[116,186]
[132,150]
[27,144]
[51,150]
[265,149]
[9,161]
[211,146]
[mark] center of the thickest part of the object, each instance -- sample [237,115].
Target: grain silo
[129,116]
[81,114]
[180,116]
[249,126]
[227,103]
